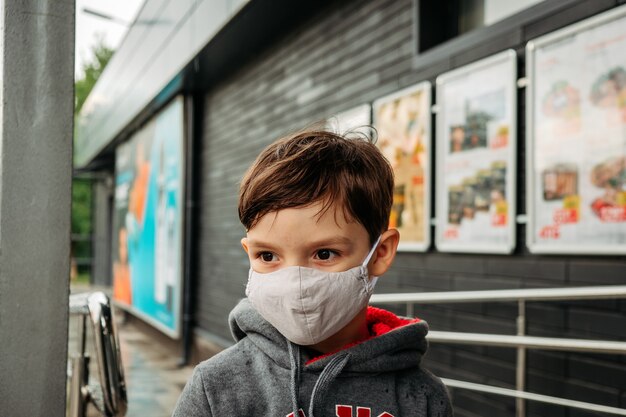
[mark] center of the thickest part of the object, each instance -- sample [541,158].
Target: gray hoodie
[265,375]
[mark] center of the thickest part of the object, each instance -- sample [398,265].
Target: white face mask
[307,305]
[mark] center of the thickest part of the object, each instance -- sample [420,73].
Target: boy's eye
[325,254]
[267,256]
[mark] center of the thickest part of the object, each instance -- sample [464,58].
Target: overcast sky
[89,27]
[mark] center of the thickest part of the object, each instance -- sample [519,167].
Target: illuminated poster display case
[148,221]
[476,145]
[576,138]
[402,121]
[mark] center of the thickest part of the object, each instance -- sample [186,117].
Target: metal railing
[521,341]
[109,395]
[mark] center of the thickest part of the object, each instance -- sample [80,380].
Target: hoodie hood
[395,343]
[264,374]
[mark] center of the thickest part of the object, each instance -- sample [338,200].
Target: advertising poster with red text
[476,140]
[402,121]
[578,139]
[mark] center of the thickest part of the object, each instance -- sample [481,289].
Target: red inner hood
[379,322]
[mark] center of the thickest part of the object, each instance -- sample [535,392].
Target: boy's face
[303,236]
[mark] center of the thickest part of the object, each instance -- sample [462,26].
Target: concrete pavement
[153,377]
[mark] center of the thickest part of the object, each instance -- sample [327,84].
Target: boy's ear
[385,253]
[244,244]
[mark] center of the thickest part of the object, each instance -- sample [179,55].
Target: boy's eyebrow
[338,240]
[341,240]
[254,242]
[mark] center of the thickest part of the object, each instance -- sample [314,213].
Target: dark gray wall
[355,52]
[35,183]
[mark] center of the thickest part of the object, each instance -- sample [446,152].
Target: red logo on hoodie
[347,411]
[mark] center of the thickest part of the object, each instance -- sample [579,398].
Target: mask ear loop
[371,283]
[371,253]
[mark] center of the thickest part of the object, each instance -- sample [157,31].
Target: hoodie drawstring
[294,361]
[328,375]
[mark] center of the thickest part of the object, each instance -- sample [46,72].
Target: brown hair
[318,165]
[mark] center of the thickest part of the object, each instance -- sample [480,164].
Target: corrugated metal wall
[351,54]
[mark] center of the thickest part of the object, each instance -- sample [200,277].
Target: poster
[148,221]
[476,143]
[402,121]
[576,138]
[356,120]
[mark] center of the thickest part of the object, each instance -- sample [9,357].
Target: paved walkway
[153,378]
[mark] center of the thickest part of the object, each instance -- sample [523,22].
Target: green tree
[92,71]
[82,187]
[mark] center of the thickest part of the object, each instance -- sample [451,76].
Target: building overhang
[175,47]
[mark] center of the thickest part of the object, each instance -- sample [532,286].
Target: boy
[316,208]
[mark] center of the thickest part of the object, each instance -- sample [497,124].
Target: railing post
[520,377]
[409,310]
[80,373]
